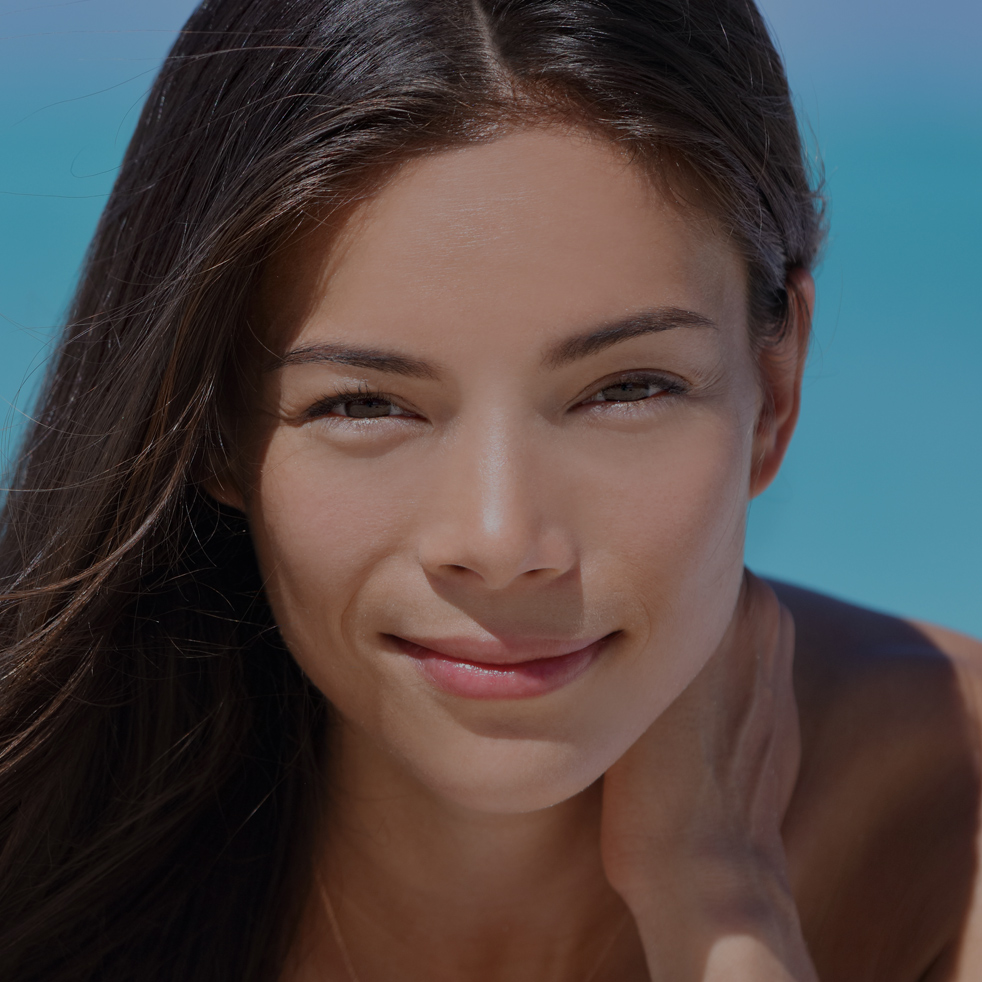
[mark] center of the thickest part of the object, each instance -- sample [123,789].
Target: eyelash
[667,386]
[361,393]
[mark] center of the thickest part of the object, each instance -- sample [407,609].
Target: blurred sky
[880,498]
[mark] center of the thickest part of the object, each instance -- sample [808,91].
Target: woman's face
[498,473]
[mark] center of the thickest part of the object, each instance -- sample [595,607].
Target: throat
[411,887]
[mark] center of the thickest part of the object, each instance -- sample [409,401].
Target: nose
[494,511]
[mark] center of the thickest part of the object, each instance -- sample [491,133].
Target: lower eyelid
[334,418]
[621,403]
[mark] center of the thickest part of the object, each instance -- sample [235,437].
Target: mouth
[496,670]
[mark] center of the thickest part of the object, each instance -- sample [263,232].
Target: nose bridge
[488,511]
[499,471]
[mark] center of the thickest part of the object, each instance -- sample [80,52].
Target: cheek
[667,549]
[319,535]
[672,506]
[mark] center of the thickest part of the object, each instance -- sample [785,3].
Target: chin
[511,776]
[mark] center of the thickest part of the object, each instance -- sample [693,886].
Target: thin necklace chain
[349,967]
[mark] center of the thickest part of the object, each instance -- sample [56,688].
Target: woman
[375,604]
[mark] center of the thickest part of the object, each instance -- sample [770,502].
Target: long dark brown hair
[160,752]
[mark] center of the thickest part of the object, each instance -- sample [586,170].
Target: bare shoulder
[882,830]
[897,672]
[964,651]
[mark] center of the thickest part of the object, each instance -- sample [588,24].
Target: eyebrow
[343,354]
[645,322]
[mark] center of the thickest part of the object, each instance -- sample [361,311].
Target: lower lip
[523,680]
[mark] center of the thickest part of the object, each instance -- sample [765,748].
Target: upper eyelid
[350,394]
[322,406]
[640,374]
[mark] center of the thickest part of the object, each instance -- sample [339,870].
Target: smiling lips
[496,670]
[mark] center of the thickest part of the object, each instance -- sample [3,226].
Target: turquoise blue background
[879,500]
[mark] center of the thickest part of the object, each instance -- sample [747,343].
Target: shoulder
[882,829]
[901,676]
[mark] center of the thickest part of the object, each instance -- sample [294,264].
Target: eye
[628,391]
[356,405]
[636,388]
[368,407]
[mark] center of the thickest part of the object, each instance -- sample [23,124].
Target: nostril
[463,570]
[457,569]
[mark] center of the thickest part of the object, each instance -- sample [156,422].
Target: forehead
[527,237]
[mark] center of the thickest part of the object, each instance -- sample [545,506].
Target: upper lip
[500,651]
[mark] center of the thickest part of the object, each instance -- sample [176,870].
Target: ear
[781,368]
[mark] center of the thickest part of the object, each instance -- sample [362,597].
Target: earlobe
[781,369]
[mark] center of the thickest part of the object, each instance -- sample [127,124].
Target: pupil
[366,408]
[626,391]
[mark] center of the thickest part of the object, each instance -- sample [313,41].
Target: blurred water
[879,500]
[880,496]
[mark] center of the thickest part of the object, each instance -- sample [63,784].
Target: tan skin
[512,406]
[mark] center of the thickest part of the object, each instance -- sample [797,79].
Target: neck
[424,888]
